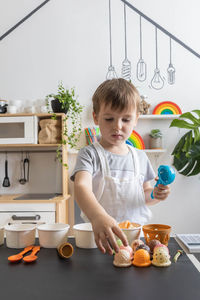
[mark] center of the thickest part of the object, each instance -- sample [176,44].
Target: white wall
[68,40]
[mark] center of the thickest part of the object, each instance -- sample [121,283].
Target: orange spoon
[32,257]
[19,256]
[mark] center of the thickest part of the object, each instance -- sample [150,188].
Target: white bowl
[84,236]
[20,235]
[17,103]
[132,233]
[52,235]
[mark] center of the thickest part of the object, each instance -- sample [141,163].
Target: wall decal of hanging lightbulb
[141,65]
[126,64]
[157,81]
[111,69]
[171,70]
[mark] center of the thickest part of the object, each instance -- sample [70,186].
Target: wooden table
[90,275]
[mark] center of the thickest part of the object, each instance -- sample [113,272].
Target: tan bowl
[159,232]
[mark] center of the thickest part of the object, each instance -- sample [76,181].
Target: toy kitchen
[34,183]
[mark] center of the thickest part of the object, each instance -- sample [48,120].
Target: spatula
[6,181]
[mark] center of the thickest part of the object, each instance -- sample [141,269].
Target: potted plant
[66,102]
[186,154]
[155,140]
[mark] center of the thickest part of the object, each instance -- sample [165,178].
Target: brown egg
[153,243]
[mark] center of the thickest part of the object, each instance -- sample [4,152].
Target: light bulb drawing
[126,64]
[141,65]
[157,81]
[171,70]
[111,69]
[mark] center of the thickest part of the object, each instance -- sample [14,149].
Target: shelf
[28,145]
[4,198]
[157,117]
[155,150]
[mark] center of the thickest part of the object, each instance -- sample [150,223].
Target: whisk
[126,64]
[111,70]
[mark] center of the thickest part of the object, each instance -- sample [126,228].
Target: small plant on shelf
[65,101]
[155,133]
[155,141]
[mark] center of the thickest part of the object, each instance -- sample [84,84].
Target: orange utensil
[19,256]
[32,257]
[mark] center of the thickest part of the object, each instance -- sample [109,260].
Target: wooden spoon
[19,256]
[32,257]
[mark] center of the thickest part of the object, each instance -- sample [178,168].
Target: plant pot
[155,143]
[57,107]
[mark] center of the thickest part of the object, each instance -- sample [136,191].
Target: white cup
[12,109]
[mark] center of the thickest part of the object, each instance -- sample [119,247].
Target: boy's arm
[104,226]
[160,192]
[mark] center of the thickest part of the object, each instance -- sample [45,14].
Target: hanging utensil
[157,81]
[22,180]
[111,70]
[26,168]
[126,64]
[6,181]
[171,70]
[141,65]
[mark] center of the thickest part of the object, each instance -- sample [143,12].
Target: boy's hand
[105,228]
[161,191]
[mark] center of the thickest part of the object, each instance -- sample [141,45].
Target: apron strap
[103,159]
[135,160]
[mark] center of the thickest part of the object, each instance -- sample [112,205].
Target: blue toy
[166,176]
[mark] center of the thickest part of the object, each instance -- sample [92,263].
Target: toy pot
[57,107]
[155,143]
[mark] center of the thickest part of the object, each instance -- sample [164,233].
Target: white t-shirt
[120,165]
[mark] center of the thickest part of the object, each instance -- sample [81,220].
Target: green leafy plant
[187,151]
[72,124]
[155,133]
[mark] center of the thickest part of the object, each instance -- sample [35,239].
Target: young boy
[112,179]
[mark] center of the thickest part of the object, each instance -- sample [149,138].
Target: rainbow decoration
[135,140]
[167,108]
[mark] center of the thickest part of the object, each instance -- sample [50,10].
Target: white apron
[122,198]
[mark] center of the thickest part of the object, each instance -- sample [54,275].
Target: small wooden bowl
[159,232]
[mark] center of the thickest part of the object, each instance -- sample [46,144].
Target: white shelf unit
[151,119]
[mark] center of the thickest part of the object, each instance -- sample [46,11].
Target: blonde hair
[118,93]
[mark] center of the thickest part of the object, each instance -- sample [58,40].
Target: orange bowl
[159,232]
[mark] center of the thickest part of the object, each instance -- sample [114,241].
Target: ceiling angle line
[161,28]
[23,20]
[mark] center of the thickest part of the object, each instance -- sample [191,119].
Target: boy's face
[115,125]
